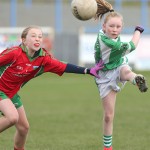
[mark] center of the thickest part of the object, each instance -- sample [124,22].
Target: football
[84,9]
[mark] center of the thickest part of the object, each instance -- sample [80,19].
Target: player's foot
[108,148]
[141,83]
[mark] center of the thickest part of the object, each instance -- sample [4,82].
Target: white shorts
[109,81]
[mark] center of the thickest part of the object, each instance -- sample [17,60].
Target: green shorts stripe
[3,96]
[17,101]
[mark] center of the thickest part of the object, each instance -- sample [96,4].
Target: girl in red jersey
[17,66]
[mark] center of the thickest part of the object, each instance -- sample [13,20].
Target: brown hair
[103,7]
[26,30]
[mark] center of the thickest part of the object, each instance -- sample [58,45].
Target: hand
[139,28]
[94,70]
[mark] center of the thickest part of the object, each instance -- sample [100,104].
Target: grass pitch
[65,113]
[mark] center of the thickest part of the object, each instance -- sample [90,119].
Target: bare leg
[22,128]
[10,117]
[108,103]
[127,75]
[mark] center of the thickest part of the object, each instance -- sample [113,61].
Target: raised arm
[137,34]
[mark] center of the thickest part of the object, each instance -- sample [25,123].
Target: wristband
[138,28]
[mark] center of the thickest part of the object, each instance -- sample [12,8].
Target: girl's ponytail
[103,7]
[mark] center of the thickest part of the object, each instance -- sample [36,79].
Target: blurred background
[67,114]
[68,38]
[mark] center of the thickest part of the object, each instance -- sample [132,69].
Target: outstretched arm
[81,70]
[137,34]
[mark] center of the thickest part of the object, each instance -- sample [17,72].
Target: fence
[57,14]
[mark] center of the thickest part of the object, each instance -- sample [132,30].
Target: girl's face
[112,27]
[33,40]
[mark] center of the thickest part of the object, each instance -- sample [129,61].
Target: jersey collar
[102,33]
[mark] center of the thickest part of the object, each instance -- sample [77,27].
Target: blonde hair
[26,30]
[105,7]
[112,15]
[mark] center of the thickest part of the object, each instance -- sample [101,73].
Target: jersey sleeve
[120,47]
[7,56]
[53,65]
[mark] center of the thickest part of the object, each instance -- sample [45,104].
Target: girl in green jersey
[112,51]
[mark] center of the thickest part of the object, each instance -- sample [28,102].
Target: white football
[84,9]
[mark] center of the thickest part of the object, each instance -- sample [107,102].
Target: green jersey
[111,51]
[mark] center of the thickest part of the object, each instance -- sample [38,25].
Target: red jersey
[17,68]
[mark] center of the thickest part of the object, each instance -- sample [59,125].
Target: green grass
[65,113]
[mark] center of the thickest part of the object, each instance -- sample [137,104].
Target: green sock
[107,140]
[134,82]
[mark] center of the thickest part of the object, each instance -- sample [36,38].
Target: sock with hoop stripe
[107,141]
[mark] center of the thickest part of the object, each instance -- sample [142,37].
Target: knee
[23,129]
[13,119]
[108,118]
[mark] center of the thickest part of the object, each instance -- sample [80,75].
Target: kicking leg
[127,75]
